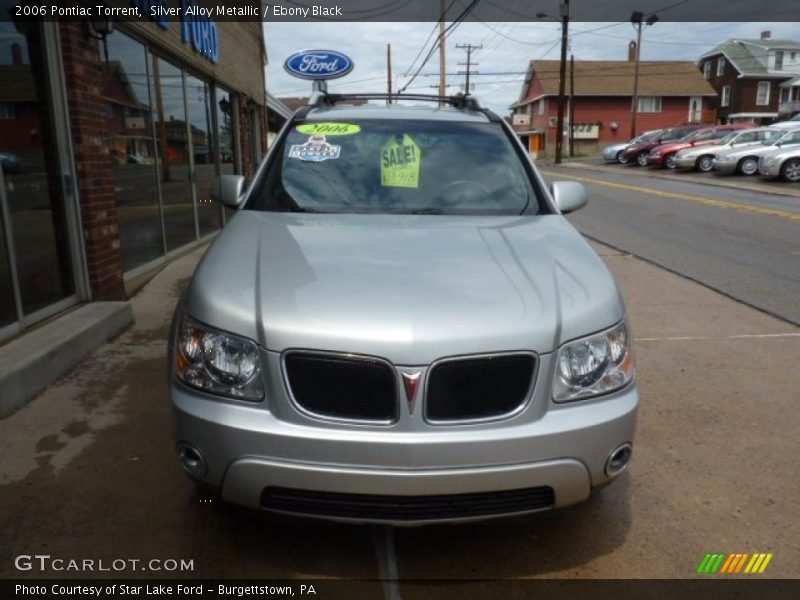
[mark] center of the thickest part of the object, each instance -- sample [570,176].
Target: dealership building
[111,135]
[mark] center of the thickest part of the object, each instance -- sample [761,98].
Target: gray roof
[747,55]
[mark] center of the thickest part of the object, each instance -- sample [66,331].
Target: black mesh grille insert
[407,508]
[480,387]
[341,387]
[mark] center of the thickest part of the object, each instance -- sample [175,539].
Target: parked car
[700,157]
[663,155]
[638,153]
[9,162]
[387,328]
[614,152]
[783,163]
[745,160]
[792,123]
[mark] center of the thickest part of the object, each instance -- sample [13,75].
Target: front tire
[621,158]
[705,163]
[748,166]
[641,159]
[790,171]
[669,161]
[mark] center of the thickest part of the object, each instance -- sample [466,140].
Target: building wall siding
[88,123]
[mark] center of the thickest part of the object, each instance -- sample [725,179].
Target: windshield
[648,137]
[397,167]
[729,137]
[793,137]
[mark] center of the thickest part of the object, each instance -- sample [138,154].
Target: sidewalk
[753,184]
[87,469]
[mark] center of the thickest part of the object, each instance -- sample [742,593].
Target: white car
[701,158]
[745,160]
[784,163]
[788,124]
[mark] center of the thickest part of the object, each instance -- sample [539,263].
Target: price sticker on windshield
[400,162]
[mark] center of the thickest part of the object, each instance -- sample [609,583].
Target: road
[743,243]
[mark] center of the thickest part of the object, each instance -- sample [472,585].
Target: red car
[637,154]
[664,154]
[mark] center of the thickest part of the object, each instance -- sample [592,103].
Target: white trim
[752,114]
[723,101]
[758,91]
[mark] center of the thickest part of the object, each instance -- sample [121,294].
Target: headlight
[217,362]
[594,365]
[655,153]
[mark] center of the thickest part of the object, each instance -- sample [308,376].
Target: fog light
[618,460]
[191,460]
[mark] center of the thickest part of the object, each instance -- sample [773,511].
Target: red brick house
[670,93]
[756,79]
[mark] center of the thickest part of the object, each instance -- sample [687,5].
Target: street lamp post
[637,18]
[564,13]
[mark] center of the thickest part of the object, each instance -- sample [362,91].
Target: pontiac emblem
[411,383]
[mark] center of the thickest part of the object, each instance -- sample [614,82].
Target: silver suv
[398,325]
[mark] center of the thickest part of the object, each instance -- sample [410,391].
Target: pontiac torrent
[399,325]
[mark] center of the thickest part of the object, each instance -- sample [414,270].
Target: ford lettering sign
[318,64]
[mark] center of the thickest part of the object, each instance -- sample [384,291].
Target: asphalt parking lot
[87,469]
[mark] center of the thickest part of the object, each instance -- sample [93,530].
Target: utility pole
[442,62]
[635,106]
[572,105]
[469,48]
[389,73]
[562,79]
[637,18]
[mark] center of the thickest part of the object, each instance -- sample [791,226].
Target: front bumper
[247,450]
[724,165]
[685,162]
[772,170]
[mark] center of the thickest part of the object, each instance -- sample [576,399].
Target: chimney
[765,35]
[632,51]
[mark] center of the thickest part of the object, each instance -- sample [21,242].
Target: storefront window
[31,176]
[172,136]
[198,97]
[126,90]
[8,313]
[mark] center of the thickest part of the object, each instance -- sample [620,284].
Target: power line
[442,36]
[469,48]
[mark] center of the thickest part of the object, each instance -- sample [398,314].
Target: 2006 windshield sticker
[316,149]
[328,128]
[400,162]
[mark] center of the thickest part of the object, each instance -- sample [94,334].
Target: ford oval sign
[318,64]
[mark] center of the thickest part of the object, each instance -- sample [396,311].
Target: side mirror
[568,195]
[228,189]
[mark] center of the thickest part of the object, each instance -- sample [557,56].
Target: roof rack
[457,101]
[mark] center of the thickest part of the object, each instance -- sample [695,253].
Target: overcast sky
[507,47]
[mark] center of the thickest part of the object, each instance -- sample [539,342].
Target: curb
[746,187]
[35,360]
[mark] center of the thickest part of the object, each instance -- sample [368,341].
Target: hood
[756,149]
[670,147]
[408,288]
[699,149]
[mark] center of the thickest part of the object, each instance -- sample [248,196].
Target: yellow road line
[759,210]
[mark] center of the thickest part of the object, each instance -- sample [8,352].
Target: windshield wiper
[302,209]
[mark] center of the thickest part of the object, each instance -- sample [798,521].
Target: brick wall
[87,112]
